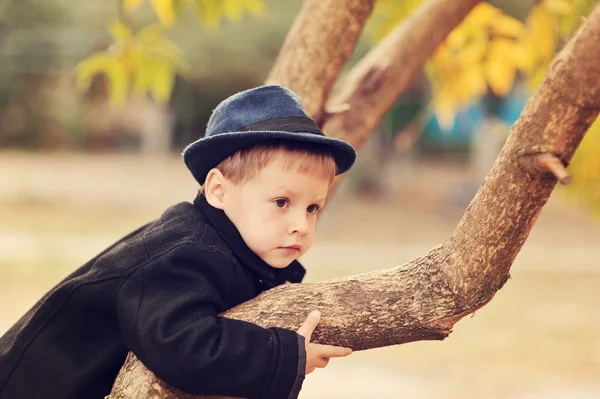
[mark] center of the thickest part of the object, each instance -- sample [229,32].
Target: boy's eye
[281,203]
[312,209]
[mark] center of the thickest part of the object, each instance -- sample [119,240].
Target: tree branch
[317,46]
[372,87]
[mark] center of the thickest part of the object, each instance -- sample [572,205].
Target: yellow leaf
[150,34]
[209,13]
[472,83]
[232,10]
[541,32]
[499,67]
[523,57]
[559,6]
[119,31]
[89,67]
[483,14]
[118,82]
[444,108]
[130,6]
[141,76]
[473,52]
[164,10]
[163,78]
[504,25]
[255,7]
[443,55]
[112,68]
[460,35]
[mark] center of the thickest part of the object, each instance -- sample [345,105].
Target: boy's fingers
[309,325]
[322,363]
[332,351]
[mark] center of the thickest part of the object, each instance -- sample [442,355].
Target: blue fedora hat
[257,116]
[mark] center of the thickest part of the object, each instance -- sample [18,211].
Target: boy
[265,169]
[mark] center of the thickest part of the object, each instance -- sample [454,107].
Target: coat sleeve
[168,315]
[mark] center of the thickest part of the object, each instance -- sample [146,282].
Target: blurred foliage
[490,50]
[25,65]
[40,107]
[145,62]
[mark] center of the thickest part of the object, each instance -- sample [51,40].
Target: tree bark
[424,298]
[317,46]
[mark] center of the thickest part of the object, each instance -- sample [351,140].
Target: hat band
[289,124]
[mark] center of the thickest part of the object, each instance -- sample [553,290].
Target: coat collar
[270,276]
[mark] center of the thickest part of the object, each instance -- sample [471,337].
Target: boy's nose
[299,225]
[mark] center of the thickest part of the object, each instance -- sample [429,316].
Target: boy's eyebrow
[287,190]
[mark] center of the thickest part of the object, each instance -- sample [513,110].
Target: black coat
[157,292]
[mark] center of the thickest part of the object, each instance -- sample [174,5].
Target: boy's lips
[291,249]
[296,246]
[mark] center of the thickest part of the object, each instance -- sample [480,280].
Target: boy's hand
[318,355]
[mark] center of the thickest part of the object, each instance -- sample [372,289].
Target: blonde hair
[245,164]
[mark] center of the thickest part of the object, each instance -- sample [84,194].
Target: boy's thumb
[309,325]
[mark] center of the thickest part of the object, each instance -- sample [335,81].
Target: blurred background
[91,133]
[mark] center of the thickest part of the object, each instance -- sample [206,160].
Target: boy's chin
[281,258]
[279,265]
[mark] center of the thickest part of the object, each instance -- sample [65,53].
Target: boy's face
[276,211]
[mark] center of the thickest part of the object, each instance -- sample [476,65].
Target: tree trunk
[317,46]
[424,298]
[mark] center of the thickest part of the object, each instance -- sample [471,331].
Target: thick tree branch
[370,89]
[317,46]
[424,298]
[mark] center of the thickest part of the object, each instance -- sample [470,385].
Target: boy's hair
[245,164]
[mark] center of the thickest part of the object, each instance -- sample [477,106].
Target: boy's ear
[214,188]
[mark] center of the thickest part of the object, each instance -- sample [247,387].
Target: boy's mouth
[296,246]
[291,248]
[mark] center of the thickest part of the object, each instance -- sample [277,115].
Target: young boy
[265,170]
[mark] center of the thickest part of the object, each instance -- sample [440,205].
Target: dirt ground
[538,338]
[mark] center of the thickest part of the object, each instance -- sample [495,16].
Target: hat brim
[206,153]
